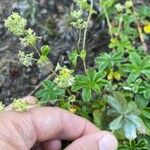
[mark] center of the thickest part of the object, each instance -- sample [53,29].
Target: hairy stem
[107,19]
[140,31]
[85,33]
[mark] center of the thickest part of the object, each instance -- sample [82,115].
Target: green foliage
[143,11]
[133,145]
[121,44]
[109,61]
[138,66]
[73,57]
[50,92]
[92,81]
[44,51]
[127,116]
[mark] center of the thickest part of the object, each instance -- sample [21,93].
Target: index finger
[42,124]
[51,123]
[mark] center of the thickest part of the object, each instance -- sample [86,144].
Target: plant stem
[36,50]
[85,34]
[140,31]
[120,23]
[108,20]
[79,39]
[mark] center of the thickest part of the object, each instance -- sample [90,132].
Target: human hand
[20,131]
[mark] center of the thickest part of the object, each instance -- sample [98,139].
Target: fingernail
[108,142]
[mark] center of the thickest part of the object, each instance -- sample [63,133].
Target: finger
[59,123]
[42,124]
[96,141]
[51,145]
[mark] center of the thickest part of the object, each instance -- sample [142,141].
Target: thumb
[96,141]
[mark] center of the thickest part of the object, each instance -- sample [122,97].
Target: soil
[48,18]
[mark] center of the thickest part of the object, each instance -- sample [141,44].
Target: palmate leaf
[108,61]
[128,116]
[92,81]
[138,67]
[50,92]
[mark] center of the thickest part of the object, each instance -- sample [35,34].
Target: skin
[20,131]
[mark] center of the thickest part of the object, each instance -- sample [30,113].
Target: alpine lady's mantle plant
[115,92]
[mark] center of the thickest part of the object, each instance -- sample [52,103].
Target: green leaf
[103,61]
[142,144]
[146,72]
[147,94]
[139,123]
[45,50]
[42,59]
[143,10]
[133,76]
[122,102]
[131,107]
[109,61]
[116,123]
[98,118]
[130,130]
[92,81]
[86,94]
[49,92]
[73,57]
[83,54]
[141,101]
[130,120]
[146,112]
[135,59]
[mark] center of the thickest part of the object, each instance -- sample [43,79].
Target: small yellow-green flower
[147,28]
[129,4]
[20,105]
[65,78]
[16,24]
[30,38]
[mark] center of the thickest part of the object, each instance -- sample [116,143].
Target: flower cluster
[25,59]
[128,4]
[77,19]
[65,78]
[16,24]
[30,38]
[20,105]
